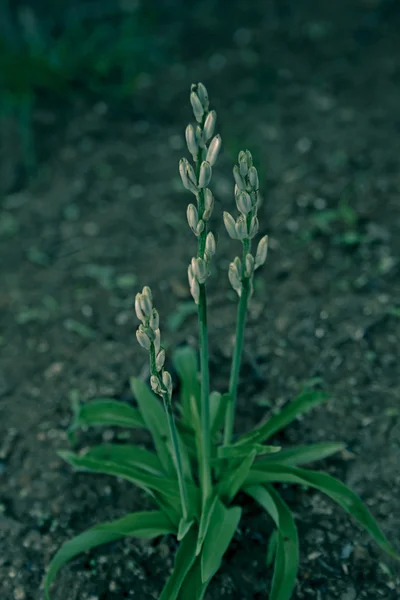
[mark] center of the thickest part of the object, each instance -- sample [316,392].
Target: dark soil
[313,89]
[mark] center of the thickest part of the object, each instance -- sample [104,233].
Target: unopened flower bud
[147,292]
[157,341]
[200,137]
[199,269]
[234,278]
[205,174]
[249,159]
[200,227]
[145,304]
[213,150]
[198,109]
[243,166]
[262,251]
[209,125]
[192,217]
[160,359]
[188,176]
[195,290]
[253,227]
[249,267]
[191,140]
[208,204]
[229,223]
[241,228]
[143,339]
[243,202]
[154,322]
[203,95]
[167,381]
[210,243]
[253,178]
[139,313]
[240,182]
[155,384]
[238,264]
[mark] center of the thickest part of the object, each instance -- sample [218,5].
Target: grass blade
[184,559]
[218,407]
[142,525]
[186,364]
[335,489]
[128,454]
[221,530]
[192,587]
[232,482]
[103,411]
[300,455]
[287,543]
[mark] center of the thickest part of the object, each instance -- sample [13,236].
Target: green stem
[205,396]
[237,353]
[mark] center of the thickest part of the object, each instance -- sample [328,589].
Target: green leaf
[192,587]
[221,530]
[156,421]
[232,452]
[236,475]
[206,513]
[106,412]
[128,454]
[287,547]
[218,405]
[335,489]
[271,548]
[142,525]
[186,364]
[184,526]
[184,560]
[300,455]
[302,404]
[166,486]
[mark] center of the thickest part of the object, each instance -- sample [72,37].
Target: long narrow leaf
[206,513]
[192,587]
[221,530]
[287,548]
[186,364]
[106,412]
[218,406]
[300,455]
[142,525]
[235,452]
[302,404]
[128,454]
[335,489]
[184,559]
[235,476]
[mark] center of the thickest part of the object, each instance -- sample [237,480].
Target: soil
[312,88]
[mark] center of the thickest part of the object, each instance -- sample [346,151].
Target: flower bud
[229,223]
[160,359]
[167,381]
[249,159]
[205,174]
[195,290]
[249,268]
[199,269]
[241,228]
[209,125]
[200,137]
[188,176]
[210,243]
[190,274]
[262,251]
[198,109]
[208,204]
[243,202]
[157,341]
[191,141]
[145,304]
[139,313]
[155,384]
[243,167]
[200,227]
[253,227]
[203,95]
[192,217]
[253,178]
[154,322]
[213,150]
[143,339]
[240,182]
[238,264]
[234,278]
[147,292]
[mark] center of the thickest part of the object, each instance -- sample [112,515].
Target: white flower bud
[160,359]
[249,265]
[147,292]
[209,125]
[145,304]
[192,217]
[262,251]
[249,159]
[243,202]
[253,178]
[208,204]
[200,137]
[198,109]
[238,264]
[199,269]
[188,176]
[167,381]
[205,174]
[210,244]
[154,322]
[190,274]
[203,95]
[200,227]
[157,341]
[155,384]
[241,228]
[213,150]
[139,313]
[143,339]
[253,227]
[195,290]
[234,278]
[229,223]
[243,167]
[191,141]
[240,182]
